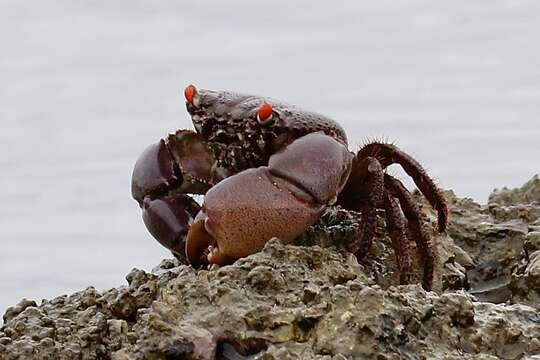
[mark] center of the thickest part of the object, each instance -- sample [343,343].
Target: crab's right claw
[162,176]
[244,211]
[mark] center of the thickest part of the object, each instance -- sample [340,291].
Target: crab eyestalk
[164,173]
[244,211]
[192,96]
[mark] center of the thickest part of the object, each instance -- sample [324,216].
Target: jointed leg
[398,233]
[418,228]
[366,192]
[367,233]
[388,154]
[373,199]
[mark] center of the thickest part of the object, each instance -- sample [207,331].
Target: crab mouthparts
[197,123]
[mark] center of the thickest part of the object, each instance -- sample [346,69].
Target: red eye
[189,93]
[265,112]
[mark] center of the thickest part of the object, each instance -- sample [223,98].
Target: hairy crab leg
[400,242]
[389,154]
[418,228]
[373,196]
[415,227]
[244,211]
[368,226]
[163,176]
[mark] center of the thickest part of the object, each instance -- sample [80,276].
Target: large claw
[163,174]
[244,211]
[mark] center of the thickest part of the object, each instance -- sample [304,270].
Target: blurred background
[85,86]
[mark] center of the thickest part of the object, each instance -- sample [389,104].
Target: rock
[493,243]
[314,300]
[17,309]
[528,193]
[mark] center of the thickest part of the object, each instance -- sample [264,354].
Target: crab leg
[244,211]
[418,228]
[388,154]
[362,192]
[164,173]
[373,176]
[398,234]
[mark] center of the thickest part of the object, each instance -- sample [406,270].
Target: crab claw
[168,220]
[162,176]
[153,172]
[244,211]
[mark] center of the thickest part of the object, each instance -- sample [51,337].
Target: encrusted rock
[314,301]
[528,193]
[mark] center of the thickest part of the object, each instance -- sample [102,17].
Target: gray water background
[85,86]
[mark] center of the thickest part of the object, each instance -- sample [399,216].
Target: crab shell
[243,131]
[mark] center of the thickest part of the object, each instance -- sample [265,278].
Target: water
[86,85]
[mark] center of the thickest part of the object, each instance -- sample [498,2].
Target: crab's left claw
[244,211]
[163,176]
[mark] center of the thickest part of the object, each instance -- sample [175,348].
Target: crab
[269,169]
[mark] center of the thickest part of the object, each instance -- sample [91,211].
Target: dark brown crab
[269,169]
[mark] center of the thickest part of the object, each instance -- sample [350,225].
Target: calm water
[86,85]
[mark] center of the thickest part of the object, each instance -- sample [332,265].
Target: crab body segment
[269,169]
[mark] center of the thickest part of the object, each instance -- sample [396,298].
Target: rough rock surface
[316,301]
